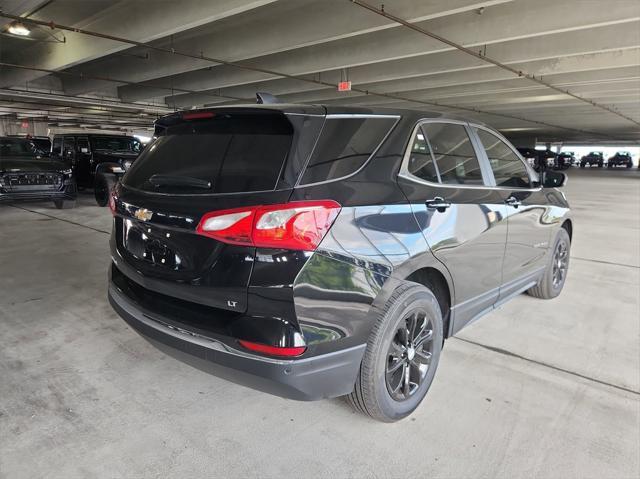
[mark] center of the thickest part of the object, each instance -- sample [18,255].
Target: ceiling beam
[284,27]
[134,19]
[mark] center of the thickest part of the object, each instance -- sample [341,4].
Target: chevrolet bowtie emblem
[143,214]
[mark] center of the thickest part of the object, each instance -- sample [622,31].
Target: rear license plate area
[150,245]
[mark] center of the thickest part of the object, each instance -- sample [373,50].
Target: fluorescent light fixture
[17,28]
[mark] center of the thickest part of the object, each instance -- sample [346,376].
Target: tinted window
[17,147]
[114,143]
[232,153]
[43,144]
[421,162]
[57,145]
[344,146]
[68,146]
[453,153]
[83,144]
[507,168]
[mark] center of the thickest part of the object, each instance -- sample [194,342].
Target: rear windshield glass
[224,154]
[344,146]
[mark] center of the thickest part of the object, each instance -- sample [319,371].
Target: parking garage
[536,388]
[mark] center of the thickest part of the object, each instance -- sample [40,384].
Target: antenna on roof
[266,98]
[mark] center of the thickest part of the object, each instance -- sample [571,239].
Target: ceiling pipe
[519,73]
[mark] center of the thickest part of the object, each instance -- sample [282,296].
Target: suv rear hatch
[204,161]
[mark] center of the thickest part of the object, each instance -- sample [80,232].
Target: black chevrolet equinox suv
[314,252]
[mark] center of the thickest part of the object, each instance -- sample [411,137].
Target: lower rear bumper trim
[318,377]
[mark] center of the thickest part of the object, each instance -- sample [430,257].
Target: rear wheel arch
[568,225]
[437,283]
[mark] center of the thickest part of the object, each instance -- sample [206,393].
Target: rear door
[69,150]
[461,217]
[526,208]
[83,161]
[198,164]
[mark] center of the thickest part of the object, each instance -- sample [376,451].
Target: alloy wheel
[560,263]
[409,355]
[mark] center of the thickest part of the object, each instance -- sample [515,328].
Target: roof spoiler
[266,98]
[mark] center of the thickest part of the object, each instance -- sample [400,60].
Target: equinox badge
[143,214]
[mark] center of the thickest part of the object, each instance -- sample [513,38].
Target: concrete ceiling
[584,60]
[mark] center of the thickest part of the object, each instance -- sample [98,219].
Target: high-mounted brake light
[273,350]
[297,225]
[199,115]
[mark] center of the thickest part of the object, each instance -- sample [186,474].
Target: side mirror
[554,179]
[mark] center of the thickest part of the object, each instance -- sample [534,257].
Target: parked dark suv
[27,175]
[565,160]
[315,252]
[593,158]
[621,158]
[98,160]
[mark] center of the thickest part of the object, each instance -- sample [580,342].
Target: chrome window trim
[364,165]
[359,115]
[404,170]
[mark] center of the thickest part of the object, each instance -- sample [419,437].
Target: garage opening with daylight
[404,235]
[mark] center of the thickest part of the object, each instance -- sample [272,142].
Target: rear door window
[57,146]
[68,146]
[83,146]
[224,154]
[345,144]
[453,153]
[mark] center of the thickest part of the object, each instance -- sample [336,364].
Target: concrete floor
[536,389]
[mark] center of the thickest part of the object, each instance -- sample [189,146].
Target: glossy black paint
[491,243]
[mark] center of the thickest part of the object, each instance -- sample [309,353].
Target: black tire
[599,164]
[64,204]
[582,165]
[629,165]
[372,393]
[103,185]
[550,284]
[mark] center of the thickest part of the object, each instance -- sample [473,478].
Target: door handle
[438,203]
[513,201]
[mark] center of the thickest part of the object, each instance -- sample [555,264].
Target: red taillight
[298,225]
[273,350]
[198,115]
[230,226]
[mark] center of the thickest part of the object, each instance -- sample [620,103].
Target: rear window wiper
[170,180]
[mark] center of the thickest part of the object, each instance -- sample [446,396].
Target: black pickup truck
[25,174]
[98,160]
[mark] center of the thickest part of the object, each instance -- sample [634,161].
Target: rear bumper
[324,376]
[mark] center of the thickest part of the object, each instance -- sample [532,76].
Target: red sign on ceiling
[344,86]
